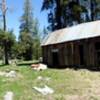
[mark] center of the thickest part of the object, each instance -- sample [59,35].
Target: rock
[42,67]
[2,73]
[43,78]
[39,67]
[8,96]
[34,65]
[11,74]
[45,90]
[40,78]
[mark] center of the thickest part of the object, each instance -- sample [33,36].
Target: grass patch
[65,82]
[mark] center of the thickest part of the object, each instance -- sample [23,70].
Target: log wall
[68,53]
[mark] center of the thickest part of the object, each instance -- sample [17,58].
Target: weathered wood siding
[68,53]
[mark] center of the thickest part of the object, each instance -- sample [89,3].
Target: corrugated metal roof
[81,31]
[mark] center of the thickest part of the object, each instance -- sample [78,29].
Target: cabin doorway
[97,49]
[55,59]
[81,54]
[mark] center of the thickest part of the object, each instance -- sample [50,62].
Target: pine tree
[4,9]
[45,33]
[26,31]
[29,40]
[62,12]
[56,14]
[27,17]
[36,35]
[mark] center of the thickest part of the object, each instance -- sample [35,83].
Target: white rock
[42,67]
[8,96]
[46,90]
[43,78]
[39,67]
[40,78]
[2,73]
[11,74]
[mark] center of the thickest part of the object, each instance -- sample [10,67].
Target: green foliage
[28,39]
[44,34]
[9,37]
[95,9]
[36,48]
[26,45]
[36,45]
[35,28]
[1,52]
[26,27]
[56,13]
[62,13]
[27,17]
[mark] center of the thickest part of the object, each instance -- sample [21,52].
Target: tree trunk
[93,4]
[6,53]
[58,15]
[92,16]
[5,42]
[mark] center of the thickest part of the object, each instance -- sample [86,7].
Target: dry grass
[68,84]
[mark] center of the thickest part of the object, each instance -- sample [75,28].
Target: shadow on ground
[22,63]
[2,65]
[74,67]
[26,63]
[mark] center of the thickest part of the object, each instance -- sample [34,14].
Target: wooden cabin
[74,46]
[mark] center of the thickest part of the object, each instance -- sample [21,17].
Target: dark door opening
[55,58]
[97,49]
[98,58]
[81,53]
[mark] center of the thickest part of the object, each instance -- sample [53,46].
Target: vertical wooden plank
[91,54]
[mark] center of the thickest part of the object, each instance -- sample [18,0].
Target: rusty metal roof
[81,31]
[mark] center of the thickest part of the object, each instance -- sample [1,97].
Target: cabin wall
[77,53]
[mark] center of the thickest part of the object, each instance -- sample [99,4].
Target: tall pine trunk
[4,28]
[5,42]
[58,15]
[93,7]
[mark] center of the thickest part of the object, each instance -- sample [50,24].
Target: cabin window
[81,53]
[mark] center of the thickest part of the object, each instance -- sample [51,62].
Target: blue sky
[16,10]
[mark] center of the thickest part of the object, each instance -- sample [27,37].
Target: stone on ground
[39,67]
[11,74]
[45,90]
[8,96]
